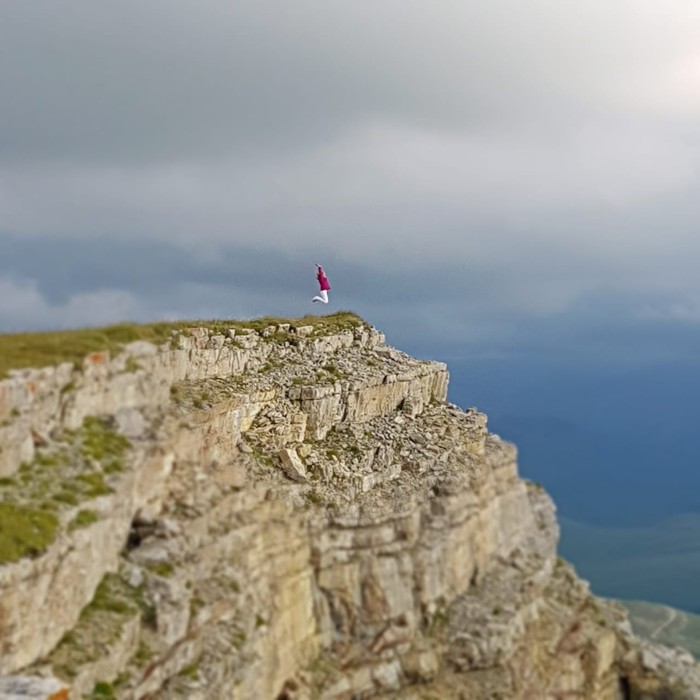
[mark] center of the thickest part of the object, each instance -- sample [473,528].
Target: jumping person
[323,284]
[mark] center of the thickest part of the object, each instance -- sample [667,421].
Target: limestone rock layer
[293,512]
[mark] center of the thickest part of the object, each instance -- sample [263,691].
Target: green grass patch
[100,440]
[113,467]
[162,569]
[313,497]
[54,459]
[149,616]
[103,691]
[24,532]
[334,371]
[74,472]
[14,414]
[68,497]
[143,654]
[131,365]
[191,671]
[100,625]
[22,350]
[83,519]
[111,596]
[238,638]
[92,485]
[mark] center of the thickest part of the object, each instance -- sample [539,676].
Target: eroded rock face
[296,515]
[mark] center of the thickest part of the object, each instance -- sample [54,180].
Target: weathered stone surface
[303,515]
[304,331]
[131,422]
[42,599]
[32,688]
[293,466]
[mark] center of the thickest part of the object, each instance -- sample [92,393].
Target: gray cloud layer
[462,167]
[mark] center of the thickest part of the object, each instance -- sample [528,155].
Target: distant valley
[667,625]
[659,564]
[618,453]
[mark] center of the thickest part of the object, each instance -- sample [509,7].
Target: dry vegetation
[22,350]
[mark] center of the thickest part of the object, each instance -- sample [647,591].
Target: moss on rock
[100,626]
[24,531]
[83,519]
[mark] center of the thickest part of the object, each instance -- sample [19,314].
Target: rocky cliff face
[288,512]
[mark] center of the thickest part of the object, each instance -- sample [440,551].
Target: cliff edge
[287,510]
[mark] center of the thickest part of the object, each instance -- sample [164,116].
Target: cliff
[292,511]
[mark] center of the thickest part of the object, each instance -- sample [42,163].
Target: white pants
[323,297]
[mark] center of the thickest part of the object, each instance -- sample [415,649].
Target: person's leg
[323,297]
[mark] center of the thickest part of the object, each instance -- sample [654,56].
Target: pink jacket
[322,280]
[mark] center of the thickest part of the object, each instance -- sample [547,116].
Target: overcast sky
[480,174]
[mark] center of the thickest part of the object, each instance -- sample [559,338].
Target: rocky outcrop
[287,512]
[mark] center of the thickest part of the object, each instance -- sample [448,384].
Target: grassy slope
[666,625]
[21,350]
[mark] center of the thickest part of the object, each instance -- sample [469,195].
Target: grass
[91,485]
[100,440]
[31,502]
[313,497]
[143,654]
[111,596]
[131,365]
[83,519]
[162,569]
[14,413]
[22,350]
[535,485]
[323,671]
[100,626]
[191,671]
[103,690]
[330,372]
[24,531]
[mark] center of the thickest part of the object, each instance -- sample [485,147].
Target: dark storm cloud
[65,267]
[463,168]
[467,309]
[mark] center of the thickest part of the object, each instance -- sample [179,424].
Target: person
[323,284]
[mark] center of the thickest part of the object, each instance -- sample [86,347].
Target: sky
[512,187]
[461,169]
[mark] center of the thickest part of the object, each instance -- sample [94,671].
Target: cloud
[169,80]
[683,311]
[23,307]
[460,167]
